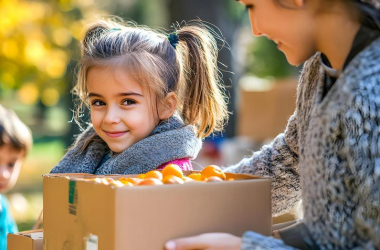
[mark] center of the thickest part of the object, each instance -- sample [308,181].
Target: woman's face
[292,29]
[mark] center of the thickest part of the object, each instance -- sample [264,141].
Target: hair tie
[173,39]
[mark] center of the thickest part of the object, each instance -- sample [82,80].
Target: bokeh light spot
[28,93]
[50,97]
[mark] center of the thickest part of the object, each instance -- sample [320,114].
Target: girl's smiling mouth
[115,134]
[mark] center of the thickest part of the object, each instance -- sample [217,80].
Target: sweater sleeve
[253,241]
[278,161]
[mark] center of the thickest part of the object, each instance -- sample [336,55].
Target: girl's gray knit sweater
[329,155]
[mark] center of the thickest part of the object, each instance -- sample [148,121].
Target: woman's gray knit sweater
[329,155]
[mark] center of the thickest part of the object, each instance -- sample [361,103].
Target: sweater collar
[364,37]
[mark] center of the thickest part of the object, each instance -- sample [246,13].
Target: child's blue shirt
[7,223]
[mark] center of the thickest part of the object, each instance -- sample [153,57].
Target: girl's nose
[112,116]
[4,172]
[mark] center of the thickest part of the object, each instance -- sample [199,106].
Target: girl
[329,153]
[152,97]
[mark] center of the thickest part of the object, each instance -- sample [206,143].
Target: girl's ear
[299,3]
[168,106]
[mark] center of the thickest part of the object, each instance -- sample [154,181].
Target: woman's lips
[115,134]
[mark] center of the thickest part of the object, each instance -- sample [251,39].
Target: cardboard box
[265,107]
[27,240]
[80,214]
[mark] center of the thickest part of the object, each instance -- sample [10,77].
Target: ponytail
[204,102]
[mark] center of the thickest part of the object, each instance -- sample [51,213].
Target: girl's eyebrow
[94,95]
[129,93]
[121,94]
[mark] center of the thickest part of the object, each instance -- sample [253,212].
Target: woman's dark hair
[368,10]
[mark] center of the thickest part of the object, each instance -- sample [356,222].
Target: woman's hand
[209,241]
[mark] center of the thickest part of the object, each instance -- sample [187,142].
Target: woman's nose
[255,30]
[256,33]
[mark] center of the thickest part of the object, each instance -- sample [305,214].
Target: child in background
[15,142]
[152,98]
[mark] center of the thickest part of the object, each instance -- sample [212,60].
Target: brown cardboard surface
[25,240]
[145,217]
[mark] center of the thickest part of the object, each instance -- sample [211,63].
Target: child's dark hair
[14,132]
[187,68]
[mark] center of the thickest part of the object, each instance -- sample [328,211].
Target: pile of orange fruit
[171,174]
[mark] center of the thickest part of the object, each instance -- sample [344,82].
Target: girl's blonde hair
[189,68]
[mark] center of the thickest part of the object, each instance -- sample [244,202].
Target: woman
[329,154]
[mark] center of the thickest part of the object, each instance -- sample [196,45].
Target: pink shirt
[184,164]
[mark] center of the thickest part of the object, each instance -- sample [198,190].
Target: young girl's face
[10,164]
[121,108]
[292,29]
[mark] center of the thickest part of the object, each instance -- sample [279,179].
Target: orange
[172,169]
[187,179]
[141,176]
[150,181]
[213,170]
[117,183]
[172,179]
[214,179]
[110,180]
[104,181]
[126,183]
[131,180]
[196,176]
[154,174]
[97,180]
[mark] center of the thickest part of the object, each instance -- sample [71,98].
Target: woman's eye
[11,165]
[128,102]
[97,103]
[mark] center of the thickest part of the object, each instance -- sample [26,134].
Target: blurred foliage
[36,45]
[265,60]
[235,11]
[38,50]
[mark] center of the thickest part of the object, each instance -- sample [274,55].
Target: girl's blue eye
[128,102]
